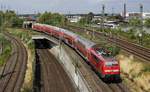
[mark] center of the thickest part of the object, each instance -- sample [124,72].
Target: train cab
[110,67]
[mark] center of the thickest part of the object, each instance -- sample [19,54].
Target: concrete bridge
[52,39]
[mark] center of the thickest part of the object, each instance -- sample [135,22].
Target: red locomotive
[100,58]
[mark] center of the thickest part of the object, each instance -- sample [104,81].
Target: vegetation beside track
[135,74]
[7,48]
[26,36]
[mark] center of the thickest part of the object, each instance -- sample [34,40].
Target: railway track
[53,77]
[14,72]
[135,49]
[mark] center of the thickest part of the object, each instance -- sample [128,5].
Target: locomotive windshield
[104,52]
[113,63]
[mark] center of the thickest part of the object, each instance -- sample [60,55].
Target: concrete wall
[71,68]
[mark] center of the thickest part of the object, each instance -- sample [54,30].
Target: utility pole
[103,15]
[141,13]
[141,17]
[112,11]
[125,11]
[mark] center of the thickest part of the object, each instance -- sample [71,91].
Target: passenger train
[98,57]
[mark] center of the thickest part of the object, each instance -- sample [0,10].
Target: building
[97,17]
[146,15]
[28,17]
[130,15]
[74,18]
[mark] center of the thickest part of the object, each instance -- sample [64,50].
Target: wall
[70,65]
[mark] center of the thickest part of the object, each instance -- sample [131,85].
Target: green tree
[52,19]
[10,19]
[89,17]
[16,22]
[135,22]
[83,21]
[147,22]
[8,16]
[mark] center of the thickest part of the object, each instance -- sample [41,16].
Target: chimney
[141,10]
[103,10]
[124,13]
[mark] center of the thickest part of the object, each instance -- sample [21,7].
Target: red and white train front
[108,66]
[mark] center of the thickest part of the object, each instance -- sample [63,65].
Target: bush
[6,49]
[147,22]
[135,22]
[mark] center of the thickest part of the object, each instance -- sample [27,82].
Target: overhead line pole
[141,18]
[103,15]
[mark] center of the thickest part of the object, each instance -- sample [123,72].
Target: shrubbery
[6,49]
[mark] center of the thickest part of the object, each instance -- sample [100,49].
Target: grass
[138,72]
[6,50]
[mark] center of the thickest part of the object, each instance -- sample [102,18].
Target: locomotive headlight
[107,70]
[116,70]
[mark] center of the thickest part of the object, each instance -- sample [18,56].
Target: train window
[95,58]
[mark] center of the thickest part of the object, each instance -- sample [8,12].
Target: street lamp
[140,38]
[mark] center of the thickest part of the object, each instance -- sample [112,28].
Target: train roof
[53,27]
[69,33]
[85,42]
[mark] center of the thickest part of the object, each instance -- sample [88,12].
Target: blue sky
[73,6]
